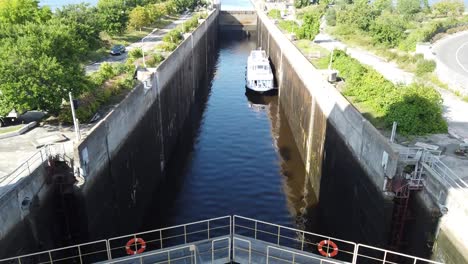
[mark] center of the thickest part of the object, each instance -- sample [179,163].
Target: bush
[136,53]
[275,14]
[190,24]
[416,108]
[155,60]
[165,46]
[388,29]
[311,24]
[331,17]
[288,26]
[425,66]
[174,36]
[418,111]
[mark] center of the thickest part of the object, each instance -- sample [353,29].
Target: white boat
[259,76]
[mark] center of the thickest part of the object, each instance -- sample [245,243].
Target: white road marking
[456,56]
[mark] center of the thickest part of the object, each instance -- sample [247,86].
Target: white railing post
[79,254]
[279,234]
[256,230]
[208,223]
[160,238]
[185,234]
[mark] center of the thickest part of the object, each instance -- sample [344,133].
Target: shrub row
[416,108]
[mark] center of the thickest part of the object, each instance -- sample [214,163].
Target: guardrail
[37,159]
[289,256]
[291,237]
[106,250]
[291,245]
[184,254]
[307,242]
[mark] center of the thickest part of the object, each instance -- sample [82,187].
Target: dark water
[232,163]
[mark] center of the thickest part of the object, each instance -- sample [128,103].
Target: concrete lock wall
[27,215]
[346,158]
[123,158]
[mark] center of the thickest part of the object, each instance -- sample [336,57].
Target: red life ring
[332,245]
[135,242]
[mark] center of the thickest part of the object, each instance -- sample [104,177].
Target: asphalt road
[453,52]
[147,43]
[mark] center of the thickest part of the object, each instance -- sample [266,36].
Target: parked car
[11,118]
[117,50]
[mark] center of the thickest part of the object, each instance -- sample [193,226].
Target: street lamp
[142,46]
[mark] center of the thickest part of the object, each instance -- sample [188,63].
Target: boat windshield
[262,67]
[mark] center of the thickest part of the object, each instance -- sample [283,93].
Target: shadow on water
[166,192]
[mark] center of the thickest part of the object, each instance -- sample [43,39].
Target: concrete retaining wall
[123,157]
[346,158]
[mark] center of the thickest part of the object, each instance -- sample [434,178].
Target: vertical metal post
[385,257]
[303,238]
[255,230]
[79,254]
[294,258]
[109,254]
[279,234]
[169,257]
[77,129]
[268,256]
[160,238]
[185,234]
[394,128]
[208,229]
[50,257]
[331,61]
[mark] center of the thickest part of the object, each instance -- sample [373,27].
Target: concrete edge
[21,131]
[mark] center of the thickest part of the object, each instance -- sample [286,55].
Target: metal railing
[444,172]
[32,163]
[236,248]
[373,255]
[297,244]
[173,236]
[290,237]
[294,257]
[84,253]
[105,250]
[299,240]
[184,254]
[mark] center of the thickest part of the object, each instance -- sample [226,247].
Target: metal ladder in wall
[403,186]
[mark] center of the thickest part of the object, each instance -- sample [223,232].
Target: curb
[21,131]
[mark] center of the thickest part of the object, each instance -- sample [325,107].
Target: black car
[117,50]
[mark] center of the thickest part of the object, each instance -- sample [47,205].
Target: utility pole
[75,121]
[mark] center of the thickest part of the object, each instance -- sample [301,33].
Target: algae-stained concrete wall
[346,158]
[123,157]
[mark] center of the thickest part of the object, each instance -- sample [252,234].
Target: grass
[11,129]
[132,36]
[308,48]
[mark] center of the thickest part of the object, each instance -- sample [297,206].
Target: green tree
[388,29]
[448,8]
[156,11]
[84,20]
[409,7]
[360,15]
[22,11]
[138,18]
[301,3]
[311,24]
[383,5]
[40,65]
[113,15]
